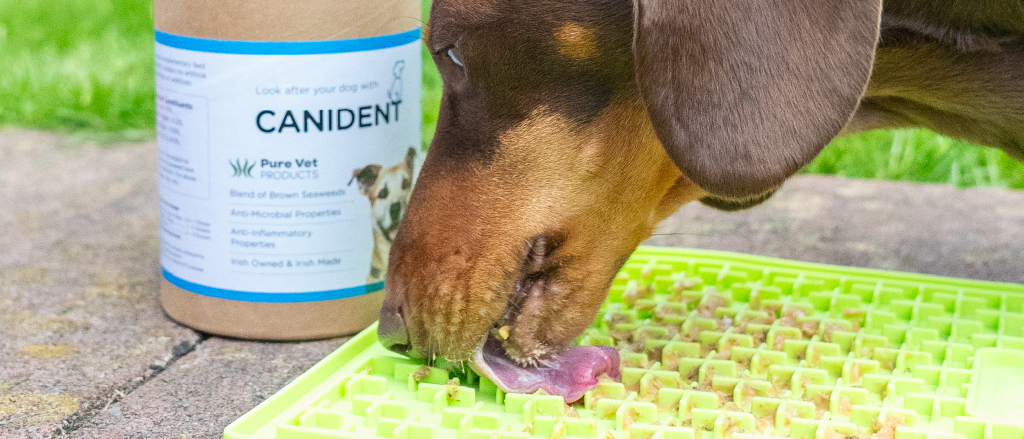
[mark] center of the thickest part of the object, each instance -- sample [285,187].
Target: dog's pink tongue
[569,375]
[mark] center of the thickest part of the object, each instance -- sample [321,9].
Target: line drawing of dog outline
[388,190]
[395,92]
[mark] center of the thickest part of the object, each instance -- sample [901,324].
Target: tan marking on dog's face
[575,41]
[459,256]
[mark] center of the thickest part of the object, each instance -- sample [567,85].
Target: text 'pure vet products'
[288,146]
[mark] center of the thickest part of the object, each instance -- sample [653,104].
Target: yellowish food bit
[725,354]
[670,360]
[854,313]
[855,376]
[421,373]
[821,402]
[709,378]
[759,337]
[887,429]
[778,387]
[503,332]
[629,418]
[845,407]
[732,426]
[792,316]
[453,389]
[649,392]
[541,392]
[727,403]
[832,434]
[748,394]
[809,328]
[743,364]
[815,358]
[765,422]
[570,412]
[826,334]
[631,294]
[780,342]
[805,381]
[682,284]
[692,334]
[741,326]
[790,414]
[712,302]
[558,432]
[636,292]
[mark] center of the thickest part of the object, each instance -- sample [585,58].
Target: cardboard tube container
[289,139]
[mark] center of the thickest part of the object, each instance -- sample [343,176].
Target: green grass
[918,155]
[86,67]
[81,65]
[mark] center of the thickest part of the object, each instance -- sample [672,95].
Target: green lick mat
[714,345]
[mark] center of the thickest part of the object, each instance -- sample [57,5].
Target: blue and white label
[285,166]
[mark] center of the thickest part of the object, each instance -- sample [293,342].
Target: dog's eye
[406,184]
[455,54]
[383,193]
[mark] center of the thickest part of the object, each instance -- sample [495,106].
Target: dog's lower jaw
[526,344]
[526,341]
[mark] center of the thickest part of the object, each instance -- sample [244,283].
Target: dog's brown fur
[569,129]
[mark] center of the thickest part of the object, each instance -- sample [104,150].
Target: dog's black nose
[396,212]
[391,330]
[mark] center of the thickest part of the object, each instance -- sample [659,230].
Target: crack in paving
[93,408]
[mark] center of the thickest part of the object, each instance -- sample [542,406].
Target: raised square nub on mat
[997,384]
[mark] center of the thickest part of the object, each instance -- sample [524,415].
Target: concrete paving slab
[206,390]
[922,228]
[79,317]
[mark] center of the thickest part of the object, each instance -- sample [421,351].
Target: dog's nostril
[391,330]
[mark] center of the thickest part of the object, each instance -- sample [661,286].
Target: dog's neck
[970,26]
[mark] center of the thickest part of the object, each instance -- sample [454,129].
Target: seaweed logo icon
[242,169]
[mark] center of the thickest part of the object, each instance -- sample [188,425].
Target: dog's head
[388,190]
[568,129]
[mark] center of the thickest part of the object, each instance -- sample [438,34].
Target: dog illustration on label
[388,190]
[395,92]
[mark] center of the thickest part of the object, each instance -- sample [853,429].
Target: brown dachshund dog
[569,128]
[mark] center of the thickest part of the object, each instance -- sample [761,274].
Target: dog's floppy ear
[366,177]
[410,158]
[743,93]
